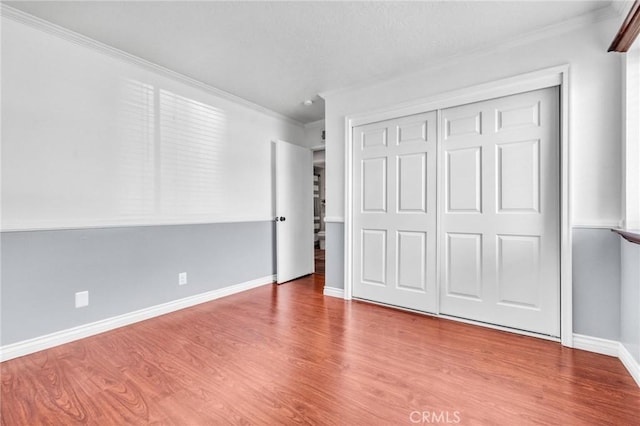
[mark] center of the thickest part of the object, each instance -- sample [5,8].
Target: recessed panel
[374,256]
[518,166]
[412,183]
[374,138]
[518,270]
[412,132]
[463,126]
[374,185]
[411,260]
[464,265]
[463,187]
[521,116]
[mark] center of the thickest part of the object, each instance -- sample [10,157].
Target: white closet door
[394,220]
[500,218]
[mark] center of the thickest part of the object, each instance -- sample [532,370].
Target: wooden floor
[287,355]
[319,261]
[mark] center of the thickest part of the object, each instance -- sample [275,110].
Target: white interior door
[500,217]
[394,212]
[294,211]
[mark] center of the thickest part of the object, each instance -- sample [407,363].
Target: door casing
[556,76]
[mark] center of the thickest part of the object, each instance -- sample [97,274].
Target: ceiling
[278,54]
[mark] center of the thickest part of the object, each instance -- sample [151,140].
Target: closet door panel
[394,223]
[501,184]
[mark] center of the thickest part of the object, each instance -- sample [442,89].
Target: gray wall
[124,269]
[334,255]
[130,268]
[630,298]
[596,278]
[596,283]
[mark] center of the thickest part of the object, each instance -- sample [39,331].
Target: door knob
[282,218]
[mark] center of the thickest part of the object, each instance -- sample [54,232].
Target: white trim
[316,123]
[440,200]
[348,209]
[596,344]
[81,40]
[630,363]
[334,219]
[611,348]
[333,292]
[566,234]
[26,347]
[597,225]
[535,80]
[100,224]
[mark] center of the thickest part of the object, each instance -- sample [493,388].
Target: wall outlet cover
[182,278]
[82,299]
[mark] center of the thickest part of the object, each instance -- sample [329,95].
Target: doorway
[319,197]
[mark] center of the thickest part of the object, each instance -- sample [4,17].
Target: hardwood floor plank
[288,355]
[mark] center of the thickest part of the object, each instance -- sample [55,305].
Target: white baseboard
[26,347]
[611,348]
[333,292]
[596,344]
[631,364]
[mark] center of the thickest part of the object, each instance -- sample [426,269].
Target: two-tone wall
[605,274]
[594,129]
[124,269]
[118,175]
[595,147]
[594,107]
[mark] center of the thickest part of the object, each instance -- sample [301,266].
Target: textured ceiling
[277,54]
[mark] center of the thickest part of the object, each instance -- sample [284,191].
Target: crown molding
[316,123]
[87,42]
[628,31]
[622,7]
[543,33]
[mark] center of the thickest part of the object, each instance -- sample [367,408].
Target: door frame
[540,79]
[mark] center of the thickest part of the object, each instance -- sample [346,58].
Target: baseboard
[30,346]
[611,348]
[596,344]
[630,363]
[333,292]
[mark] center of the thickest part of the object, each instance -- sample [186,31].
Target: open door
[294,211]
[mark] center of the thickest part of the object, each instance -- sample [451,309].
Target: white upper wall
[594,121]
[631,147]
[92,139]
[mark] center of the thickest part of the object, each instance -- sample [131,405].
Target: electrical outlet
[82,299]
[182,278]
